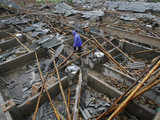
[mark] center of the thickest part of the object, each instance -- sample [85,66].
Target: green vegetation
[153,0]
[43,1]
[55,1]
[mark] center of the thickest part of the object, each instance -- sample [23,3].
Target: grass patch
[153,0]
[54,1]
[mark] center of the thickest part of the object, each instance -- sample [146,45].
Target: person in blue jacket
[77,41]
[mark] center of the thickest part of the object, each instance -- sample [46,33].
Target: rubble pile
[133,6]
[91,105]
[119,55]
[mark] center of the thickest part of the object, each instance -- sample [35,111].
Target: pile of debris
[43,76]
[133,6]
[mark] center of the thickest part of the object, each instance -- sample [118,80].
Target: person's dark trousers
[79,49]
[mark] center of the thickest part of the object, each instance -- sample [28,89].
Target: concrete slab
[8,44]
[21,60]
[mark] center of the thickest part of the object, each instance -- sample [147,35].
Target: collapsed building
[115,77]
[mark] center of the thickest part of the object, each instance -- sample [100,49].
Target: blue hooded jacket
[77,39]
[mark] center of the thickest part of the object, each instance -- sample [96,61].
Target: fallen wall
[21,60]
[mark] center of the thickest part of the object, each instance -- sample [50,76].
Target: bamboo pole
[41,91]
[109,56]
[53,52]
[70,62]
[149,86]
[62,92]
[38,102]
[66,60]
[119,50]
[146,51]
[114,105]
[24,46]
[43,86]
[49,97]
[126,101]
[69,95]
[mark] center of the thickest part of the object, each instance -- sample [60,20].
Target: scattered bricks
[8,105]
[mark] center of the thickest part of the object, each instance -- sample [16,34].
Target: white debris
[72,69]
[98,54]
[149,26]
[18,35]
